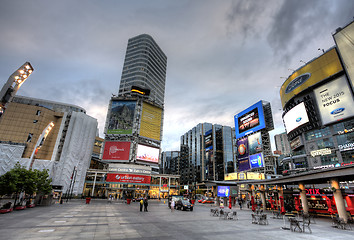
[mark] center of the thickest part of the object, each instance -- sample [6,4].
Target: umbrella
[329,205]
[297,204]
[252,203]
[230,202]
[282,209]
[271,201]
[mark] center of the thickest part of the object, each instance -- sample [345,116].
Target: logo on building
[298,119]
[321,152]
[338,110]
[297,82]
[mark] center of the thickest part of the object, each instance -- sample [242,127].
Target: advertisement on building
[128,178]
[335,101]
[296,117]
[344,40]
[296,143]
[255,176]
[223,191]
[255,143]
[319,69]
[243,164]
[121,117]
[256,160]
[116,151]
[250,120]
[147,154]
[242,148]
[230,176]
[150,125]
[208,140]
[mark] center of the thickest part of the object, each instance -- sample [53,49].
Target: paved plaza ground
[117,220]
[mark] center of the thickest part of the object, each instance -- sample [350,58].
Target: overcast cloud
[223,56]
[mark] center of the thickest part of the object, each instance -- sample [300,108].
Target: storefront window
[329,159]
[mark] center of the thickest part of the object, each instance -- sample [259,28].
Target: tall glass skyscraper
[145,67]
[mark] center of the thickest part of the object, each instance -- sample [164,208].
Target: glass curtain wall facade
[170,162]
[206,153]
[145,67]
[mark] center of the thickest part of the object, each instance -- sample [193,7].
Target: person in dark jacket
[146,205]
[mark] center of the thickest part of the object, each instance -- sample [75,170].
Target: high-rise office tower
[144,67]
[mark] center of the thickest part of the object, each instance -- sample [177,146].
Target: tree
[19,179]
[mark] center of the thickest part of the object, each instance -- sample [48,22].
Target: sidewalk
[117,220]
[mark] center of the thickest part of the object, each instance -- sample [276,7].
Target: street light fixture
[12,85]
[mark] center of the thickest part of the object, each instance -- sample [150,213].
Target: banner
[116,151]
[128,178]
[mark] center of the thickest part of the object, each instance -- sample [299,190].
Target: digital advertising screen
[116,151]
[223,191]
[296,117]
[121,117]
[314,72]
[249,120]
[255,143]
[344,41]
[335,101]
[147,154]
[242,148]
[127,178]
[243,164]
[256,160]
[150,125]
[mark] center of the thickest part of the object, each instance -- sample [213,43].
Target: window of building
[325,143]
[318,133]
[329,159]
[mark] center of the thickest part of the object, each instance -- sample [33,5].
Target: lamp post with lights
[12,85]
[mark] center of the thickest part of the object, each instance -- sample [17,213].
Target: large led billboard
[335,101]
[150,125]
[296,117]
[319,69]
[116,151]
[208,140]
[344,41]
[242,148]
[223,191]
[147,154]
[255,143]
[256,160]
[121,117]
[249,120]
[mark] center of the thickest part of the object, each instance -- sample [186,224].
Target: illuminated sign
[128,178]
[296,143]
[255,176]
[249,120]
[319,69]
[230,176]
[151,118]
[256,160]
[346,147]
[116,151]
[255,143]
[140,90]
[242,148]
[121,117]
[321,152]
[335,101]
[223,191]
[147,154]
[296,117]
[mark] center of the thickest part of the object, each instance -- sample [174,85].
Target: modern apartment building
[144,67]
[282,144]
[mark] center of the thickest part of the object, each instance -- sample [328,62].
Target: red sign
[128,178]
[313,191]
[116,151]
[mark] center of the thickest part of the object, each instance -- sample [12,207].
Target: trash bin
[128,201]
[88,200]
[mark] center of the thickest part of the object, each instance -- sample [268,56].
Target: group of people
[144,203]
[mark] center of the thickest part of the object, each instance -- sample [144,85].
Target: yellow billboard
[255,176]
[319,69]
[230,176]
[150,125]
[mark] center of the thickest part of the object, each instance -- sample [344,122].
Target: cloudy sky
[223,56]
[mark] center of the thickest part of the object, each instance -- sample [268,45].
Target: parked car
[208,200]
[175,198]
[184,204]
[202,199]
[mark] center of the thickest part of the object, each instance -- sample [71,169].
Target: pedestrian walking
[172,205]
[141,205]
[146,205]
[240,203]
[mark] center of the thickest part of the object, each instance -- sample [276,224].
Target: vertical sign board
[242,154]
[344,40]
[150,125]
[255,143]
[256,160]
[121,117]
[335,101]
